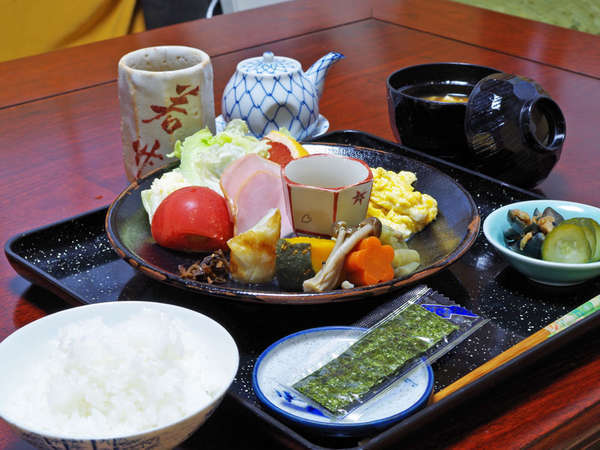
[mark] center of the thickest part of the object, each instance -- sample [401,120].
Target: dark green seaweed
[373,359]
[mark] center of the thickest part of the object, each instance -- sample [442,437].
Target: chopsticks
[555,327]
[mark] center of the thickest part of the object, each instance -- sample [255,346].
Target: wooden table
[60,153]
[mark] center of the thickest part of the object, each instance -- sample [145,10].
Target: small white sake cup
[322,189]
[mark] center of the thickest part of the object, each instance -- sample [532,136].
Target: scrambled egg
[395,202]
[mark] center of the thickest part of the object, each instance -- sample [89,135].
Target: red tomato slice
[192,219]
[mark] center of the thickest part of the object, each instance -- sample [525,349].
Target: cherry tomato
[193,219]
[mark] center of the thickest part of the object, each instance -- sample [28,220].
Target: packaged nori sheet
[419,326]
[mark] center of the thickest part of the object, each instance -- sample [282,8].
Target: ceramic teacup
[322,189]
[165,94]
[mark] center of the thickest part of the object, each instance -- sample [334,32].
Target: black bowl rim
[443,64]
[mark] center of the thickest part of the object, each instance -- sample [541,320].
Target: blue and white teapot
[271,92]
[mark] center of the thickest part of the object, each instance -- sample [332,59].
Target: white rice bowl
[115,375]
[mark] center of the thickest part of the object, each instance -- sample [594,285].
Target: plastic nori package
[419,326]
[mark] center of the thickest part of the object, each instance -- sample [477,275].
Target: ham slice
[252,185]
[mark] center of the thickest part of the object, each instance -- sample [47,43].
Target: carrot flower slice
[369,262]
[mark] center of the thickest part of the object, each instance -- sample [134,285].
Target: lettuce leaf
[204,157]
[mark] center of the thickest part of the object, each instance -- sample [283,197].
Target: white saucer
[278,365]
[321,126]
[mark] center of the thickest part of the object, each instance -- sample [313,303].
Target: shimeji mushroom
[329,277]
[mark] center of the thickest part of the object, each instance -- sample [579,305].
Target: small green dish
[546,272]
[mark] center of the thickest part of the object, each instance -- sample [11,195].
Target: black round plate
[440,244]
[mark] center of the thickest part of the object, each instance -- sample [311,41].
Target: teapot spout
[317,72]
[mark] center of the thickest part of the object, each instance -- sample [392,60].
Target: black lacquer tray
[75,261]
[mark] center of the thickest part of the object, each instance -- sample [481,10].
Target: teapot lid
[269,65]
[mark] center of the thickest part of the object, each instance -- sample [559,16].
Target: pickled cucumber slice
[596,256]
[567,243]
[587,225]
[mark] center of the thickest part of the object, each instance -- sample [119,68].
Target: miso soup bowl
[500,124]
[435,127]
[321,189]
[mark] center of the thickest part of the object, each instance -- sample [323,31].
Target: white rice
[99,380]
